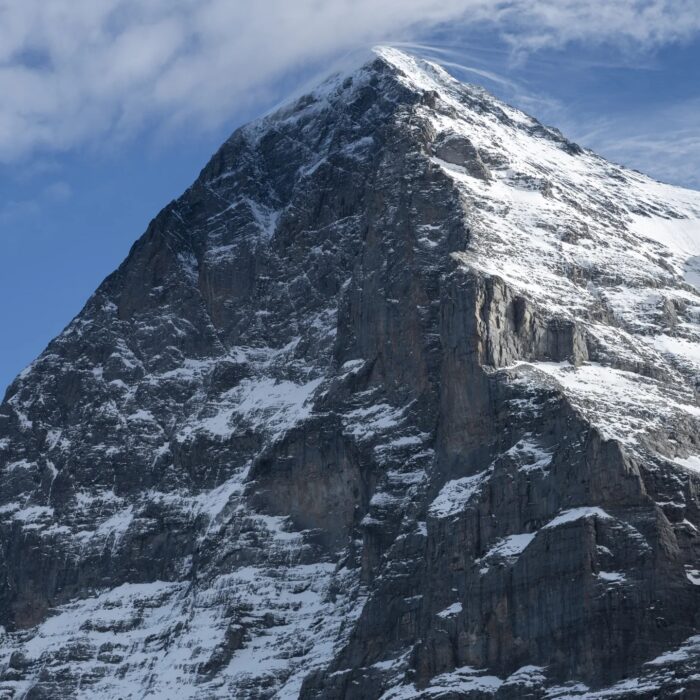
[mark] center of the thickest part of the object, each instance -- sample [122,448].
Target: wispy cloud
[631,24]
[88,71]
[17,211]
[664,142]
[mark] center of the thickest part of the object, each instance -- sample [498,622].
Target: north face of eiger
[398,400]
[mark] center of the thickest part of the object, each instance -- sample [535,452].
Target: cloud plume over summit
[76,71]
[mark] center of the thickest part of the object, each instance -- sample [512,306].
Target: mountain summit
[398,400]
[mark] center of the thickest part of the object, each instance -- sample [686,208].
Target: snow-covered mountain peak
[389,67]
[399,399]
[585,240]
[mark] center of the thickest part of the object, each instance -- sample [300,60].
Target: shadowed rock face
[397,400]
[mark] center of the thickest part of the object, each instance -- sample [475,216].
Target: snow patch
[692,462]
[611,576]
[570,516]
[451,610]
[509,547]
[455,494]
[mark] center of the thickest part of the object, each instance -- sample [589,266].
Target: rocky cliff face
[398,400]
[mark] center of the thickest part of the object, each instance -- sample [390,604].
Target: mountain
[399,399]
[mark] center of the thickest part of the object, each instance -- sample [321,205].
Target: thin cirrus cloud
[631,23]
[665,142]
[83,71]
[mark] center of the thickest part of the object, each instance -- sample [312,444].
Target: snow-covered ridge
[583,240]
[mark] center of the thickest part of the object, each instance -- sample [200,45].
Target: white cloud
[637,23]
[80,71]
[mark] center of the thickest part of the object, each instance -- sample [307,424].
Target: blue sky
[111,107]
